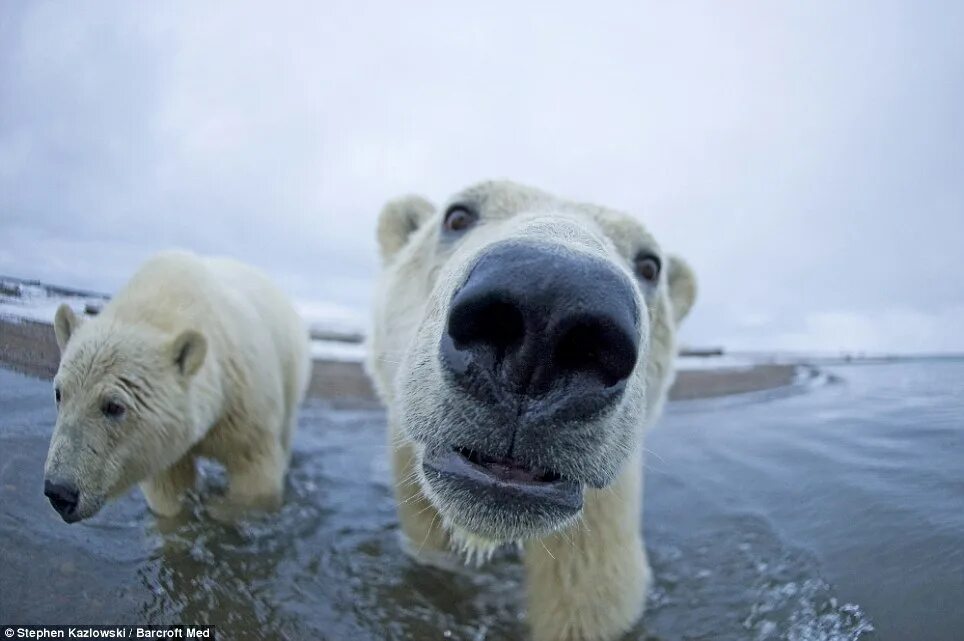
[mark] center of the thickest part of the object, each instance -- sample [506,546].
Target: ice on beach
[714,362]
[337,351]
[330,319]
[337,331]
[29,300]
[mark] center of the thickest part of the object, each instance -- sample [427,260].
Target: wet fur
[587,578]
[210,359]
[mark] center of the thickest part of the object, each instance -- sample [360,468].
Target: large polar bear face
[124,409]
[521,343]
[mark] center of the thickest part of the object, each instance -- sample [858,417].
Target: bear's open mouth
[507,470]
[500,484]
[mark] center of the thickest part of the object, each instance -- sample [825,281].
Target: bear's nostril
[594,345]
[64,497]
[486,321]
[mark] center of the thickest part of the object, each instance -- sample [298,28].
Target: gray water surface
[818,513]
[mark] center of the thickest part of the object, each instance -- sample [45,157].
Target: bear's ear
[65,324]
[399,218]
[682,287]
[189,350]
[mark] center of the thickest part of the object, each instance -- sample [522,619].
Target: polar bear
[521,344]
[194,357]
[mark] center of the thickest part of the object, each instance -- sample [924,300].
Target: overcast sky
[807,158]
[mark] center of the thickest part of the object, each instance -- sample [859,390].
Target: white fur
[588,579]
[210,359]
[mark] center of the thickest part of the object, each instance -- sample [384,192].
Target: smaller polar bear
[194,357]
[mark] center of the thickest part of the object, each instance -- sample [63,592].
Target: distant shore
[29,347]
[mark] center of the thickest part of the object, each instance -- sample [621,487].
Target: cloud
[802,158]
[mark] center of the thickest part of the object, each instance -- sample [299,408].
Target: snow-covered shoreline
[337,334]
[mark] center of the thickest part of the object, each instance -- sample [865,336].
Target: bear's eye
[112,409]
[57,395]
[459,218]
[647,267]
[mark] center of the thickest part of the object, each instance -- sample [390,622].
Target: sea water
[830,511]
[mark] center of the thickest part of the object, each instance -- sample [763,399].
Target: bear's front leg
[256,463]
[589,582]
[256,480]
[165,491]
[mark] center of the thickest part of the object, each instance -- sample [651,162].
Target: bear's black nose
[64,497]
[542,321]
